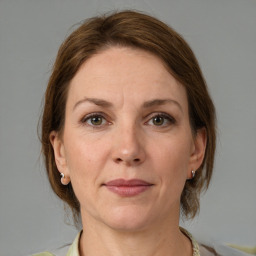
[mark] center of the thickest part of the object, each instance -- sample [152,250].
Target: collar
[74,248]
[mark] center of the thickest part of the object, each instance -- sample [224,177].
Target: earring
[193,173]
[62,179]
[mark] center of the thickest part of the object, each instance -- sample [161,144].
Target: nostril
[119,160]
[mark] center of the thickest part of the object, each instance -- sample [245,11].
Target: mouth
[128,188]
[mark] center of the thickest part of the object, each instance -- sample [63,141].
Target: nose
[128,146]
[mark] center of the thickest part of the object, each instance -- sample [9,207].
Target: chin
[128,219]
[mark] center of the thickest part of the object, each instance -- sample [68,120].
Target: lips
[128,188]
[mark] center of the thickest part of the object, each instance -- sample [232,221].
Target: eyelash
[167,118]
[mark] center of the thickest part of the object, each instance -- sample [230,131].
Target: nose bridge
[127,141]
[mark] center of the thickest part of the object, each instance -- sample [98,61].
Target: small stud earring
[62,179]
[193,173]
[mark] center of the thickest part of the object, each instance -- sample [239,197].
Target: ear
[60,158]
[198,151]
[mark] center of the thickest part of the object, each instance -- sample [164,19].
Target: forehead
[120,73]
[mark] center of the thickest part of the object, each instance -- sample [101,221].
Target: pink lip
[128,188]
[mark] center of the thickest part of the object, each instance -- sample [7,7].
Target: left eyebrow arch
[160,102]
[98,102]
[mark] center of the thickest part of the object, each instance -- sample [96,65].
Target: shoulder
[213,248]
[219,249]
[57,252]
[43,254]
[66,250]
[207,251]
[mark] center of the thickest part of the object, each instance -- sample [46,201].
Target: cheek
[85,157]
[85,162]
[171,159]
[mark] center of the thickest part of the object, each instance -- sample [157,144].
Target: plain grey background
[222,34]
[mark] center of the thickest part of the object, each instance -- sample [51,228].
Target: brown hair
[137,30]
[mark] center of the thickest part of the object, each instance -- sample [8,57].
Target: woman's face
[127,145]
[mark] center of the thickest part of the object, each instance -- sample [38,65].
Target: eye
[158,120]
[94,120]
[161,119]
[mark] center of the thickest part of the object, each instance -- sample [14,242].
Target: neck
[161,240]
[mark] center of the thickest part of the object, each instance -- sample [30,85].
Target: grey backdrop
[223,35]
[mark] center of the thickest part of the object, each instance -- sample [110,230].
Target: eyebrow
[160,102]
[98,102]
[147,104]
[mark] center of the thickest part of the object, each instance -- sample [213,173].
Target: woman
[128,135]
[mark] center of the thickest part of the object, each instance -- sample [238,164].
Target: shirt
[198,249]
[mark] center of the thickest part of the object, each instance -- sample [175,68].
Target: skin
[141,130]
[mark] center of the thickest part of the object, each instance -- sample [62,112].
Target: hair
[136,30]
